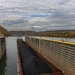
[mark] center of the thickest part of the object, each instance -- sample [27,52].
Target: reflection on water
[8,65]
[11,68]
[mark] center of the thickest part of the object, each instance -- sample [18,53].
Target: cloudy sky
[38,15]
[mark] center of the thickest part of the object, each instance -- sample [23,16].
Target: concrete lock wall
[2,47]
[59,54]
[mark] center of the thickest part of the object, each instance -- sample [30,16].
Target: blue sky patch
[41,15]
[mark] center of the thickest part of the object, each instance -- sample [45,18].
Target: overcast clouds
[42,14]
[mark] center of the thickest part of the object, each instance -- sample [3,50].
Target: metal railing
[60,54]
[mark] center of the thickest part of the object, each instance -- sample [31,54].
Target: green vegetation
[65,33]
[58,33]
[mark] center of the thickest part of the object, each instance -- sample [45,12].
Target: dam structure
[60,54]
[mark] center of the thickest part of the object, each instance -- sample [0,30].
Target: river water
[8,64]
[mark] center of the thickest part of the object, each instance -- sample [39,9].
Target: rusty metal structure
[19,65]
[53,74]
[58,53]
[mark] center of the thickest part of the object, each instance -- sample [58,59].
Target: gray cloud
[62,2]
[20,14]
[14,22]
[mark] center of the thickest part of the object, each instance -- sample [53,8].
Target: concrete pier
[2,45]
[58,53]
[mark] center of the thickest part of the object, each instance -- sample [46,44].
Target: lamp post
[31,33]
[32,29]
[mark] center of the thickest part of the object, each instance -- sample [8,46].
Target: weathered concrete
[2,47]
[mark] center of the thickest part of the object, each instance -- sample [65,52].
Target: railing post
[39,45]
